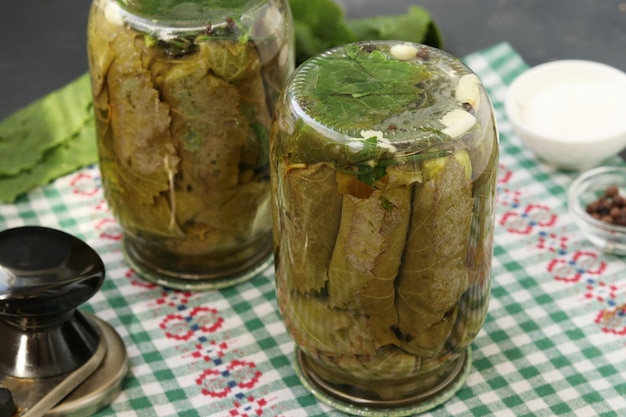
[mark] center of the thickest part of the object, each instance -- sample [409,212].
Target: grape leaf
[317,328]
[75,153]
[322,24]
[433,275]
[27,134]
[182,9]
[307,196]
[361,88]
[414,26]
[318,25]
[368,251]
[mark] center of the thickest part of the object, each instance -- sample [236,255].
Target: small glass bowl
[587,188]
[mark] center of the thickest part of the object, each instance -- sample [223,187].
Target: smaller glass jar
[384,159]
[184,93]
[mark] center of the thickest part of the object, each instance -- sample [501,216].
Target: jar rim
[184,17]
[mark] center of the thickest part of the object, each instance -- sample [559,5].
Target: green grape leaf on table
[414,26]
[50,137]
[78,151]
[26,135]
[322,24]
[318,25]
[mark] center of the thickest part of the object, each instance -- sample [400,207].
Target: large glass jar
[184,93]
[384,158]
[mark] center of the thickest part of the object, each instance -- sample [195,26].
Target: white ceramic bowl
[570,113]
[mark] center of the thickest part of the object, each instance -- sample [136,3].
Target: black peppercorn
[610,207]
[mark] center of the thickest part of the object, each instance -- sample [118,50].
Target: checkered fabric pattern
[554,342]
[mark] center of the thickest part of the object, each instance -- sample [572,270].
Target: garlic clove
[457,122]
[403,52]
[468,90]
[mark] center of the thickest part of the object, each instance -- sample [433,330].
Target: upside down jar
[384,159]
[183,94]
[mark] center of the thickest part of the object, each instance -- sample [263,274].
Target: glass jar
[184,93]
[384,159]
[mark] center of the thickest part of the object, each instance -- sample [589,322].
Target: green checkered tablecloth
[554,342]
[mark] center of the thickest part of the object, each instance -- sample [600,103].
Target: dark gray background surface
[42,42]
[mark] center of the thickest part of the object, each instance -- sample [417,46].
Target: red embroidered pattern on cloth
[197,329]
[579,266]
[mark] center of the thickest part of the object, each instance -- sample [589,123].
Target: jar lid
[388,97]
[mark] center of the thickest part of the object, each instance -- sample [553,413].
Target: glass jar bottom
[419,403]
[211,280]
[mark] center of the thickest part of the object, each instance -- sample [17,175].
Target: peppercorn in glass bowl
[597,201]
